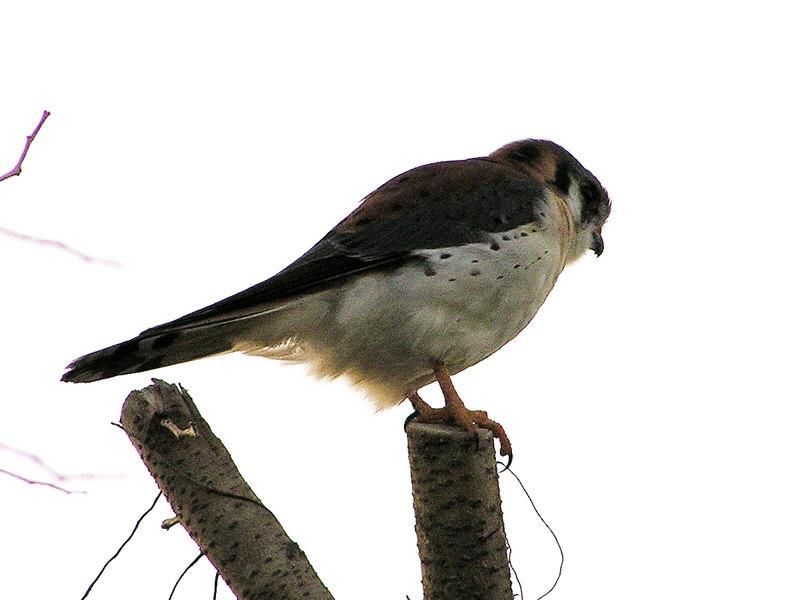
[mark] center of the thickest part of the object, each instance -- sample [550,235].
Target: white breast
[456,305]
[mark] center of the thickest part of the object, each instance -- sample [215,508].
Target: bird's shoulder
[440,205]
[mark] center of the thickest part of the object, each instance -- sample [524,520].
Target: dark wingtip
[102,364]
[71,375]
[76,374]
[144,353]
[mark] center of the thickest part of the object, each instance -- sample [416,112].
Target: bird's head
[561,172]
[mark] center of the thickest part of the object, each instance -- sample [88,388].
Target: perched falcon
[433,272]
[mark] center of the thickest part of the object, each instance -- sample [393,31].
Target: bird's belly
[454,305]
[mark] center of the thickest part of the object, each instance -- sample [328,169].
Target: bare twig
[59,245]
[169,523]
[44,483]
[27,238]
[29,456]
[18,168]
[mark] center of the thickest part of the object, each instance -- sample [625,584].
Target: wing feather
[437,205]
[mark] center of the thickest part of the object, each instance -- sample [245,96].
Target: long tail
[151,351]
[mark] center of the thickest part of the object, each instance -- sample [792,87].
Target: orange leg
[456,413]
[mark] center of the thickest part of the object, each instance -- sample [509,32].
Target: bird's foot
[455,413]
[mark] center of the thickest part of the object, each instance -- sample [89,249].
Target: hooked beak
[597,244]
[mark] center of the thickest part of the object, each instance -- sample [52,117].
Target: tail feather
[268,331]
[146,352]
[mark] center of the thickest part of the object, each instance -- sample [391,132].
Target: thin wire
[116,554]
[216,583]
[555,537]
[513,570]
[185,571]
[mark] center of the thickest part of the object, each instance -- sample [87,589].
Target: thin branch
[18,168]
[27,238]
[44,483]
[50,470]
[60,245]
[41,464]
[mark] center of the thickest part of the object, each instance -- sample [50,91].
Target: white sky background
[653,402]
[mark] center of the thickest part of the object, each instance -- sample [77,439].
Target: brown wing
[433,206]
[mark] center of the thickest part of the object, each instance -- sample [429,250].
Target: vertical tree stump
[460,532]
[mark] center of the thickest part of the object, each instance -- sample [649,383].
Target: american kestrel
[434,271]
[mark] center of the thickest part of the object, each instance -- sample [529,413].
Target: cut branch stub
[237,533]
[460,532]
